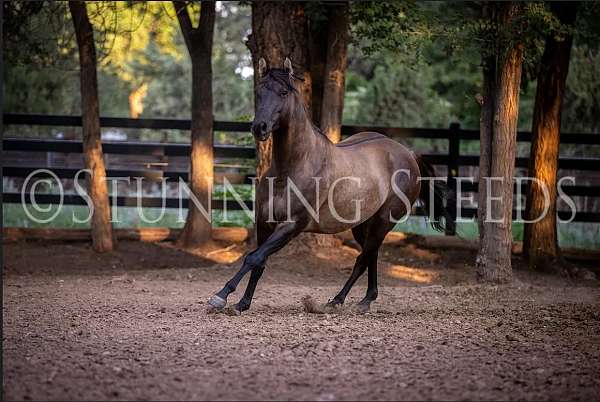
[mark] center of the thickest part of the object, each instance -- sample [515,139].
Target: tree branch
[207,23]
[185,23]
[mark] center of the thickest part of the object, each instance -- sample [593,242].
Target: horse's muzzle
[261,130]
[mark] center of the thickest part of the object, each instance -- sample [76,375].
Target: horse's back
[360,138]
[374,145]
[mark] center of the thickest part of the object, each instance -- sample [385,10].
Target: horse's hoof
[363,308]
[217,303]
[333,304]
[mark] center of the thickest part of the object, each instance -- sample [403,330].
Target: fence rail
[453,160]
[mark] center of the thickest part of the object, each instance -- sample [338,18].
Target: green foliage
[138,43]
[411,63]
[13,215]
[587,30]
[581,106]
[574,234]
[38,33]
[402,26]
[399,95]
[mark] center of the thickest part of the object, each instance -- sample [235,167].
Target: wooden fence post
[453,167]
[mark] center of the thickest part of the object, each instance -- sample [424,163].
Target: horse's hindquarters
[375,175]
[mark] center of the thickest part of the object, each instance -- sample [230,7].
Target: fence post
[453,166]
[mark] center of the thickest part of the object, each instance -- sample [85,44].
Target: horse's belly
[348,206]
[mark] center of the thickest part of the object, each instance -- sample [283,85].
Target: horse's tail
[433,207]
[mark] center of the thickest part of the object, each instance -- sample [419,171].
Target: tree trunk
[279,30]
[317,46]
[485,127]
[102,238]
[332,105]
[540,242]
[494,256]
[485,134]
[198,227]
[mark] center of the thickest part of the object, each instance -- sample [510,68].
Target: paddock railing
[453,160]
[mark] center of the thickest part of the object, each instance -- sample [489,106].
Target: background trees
[408,64]
[390,87]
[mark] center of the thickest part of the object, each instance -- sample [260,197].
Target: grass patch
[575,234]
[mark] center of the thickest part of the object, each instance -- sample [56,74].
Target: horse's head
[273,94]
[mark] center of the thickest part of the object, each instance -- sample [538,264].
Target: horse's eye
[283,93]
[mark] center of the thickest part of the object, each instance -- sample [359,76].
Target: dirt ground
[133,324]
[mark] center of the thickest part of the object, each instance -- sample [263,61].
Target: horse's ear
[287,66]
[262,67]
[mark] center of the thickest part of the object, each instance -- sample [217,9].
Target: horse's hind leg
[372,291]
[379,229]
[360,234]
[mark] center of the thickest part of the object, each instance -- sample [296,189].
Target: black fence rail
[452,160]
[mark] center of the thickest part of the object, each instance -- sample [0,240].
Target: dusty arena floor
[133,325]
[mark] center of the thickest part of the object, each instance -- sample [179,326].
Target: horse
[364,183]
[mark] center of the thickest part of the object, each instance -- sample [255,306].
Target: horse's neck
[298,145]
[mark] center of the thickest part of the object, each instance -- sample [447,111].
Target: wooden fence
[452,160]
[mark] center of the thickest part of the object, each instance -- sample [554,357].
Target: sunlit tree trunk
[279,30]
[540,242]
[332,105]
[498,138]
[199,40]
[102,238]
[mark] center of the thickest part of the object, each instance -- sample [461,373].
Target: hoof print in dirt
[312,307]
[232,311]
[212,310]
[362,308]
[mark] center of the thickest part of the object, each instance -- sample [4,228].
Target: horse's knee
[254,260]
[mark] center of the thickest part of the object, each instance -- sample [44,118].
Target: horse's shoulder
[360,138]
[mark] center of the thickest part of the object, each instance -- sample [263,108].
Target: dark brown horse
[365,183]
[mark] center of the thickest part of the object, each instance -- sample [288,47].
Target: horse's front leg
[263,231]
[257,259]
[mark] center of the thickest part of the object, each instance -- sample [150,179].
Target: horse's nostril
[263,127]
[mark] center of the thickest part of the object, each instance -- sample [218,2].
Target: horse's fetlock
[372,295]
[243,305]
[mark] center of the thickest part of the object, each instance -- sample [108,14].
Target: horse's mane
[285,79]
[282,77]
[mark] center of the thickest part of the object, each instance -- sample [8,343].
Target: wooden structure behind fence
[452,160]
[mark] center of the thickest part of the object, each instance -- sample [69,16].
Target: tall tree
[279,30]
[334,75]
[102,238]
[498,135]
[540,242]
[199,41]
